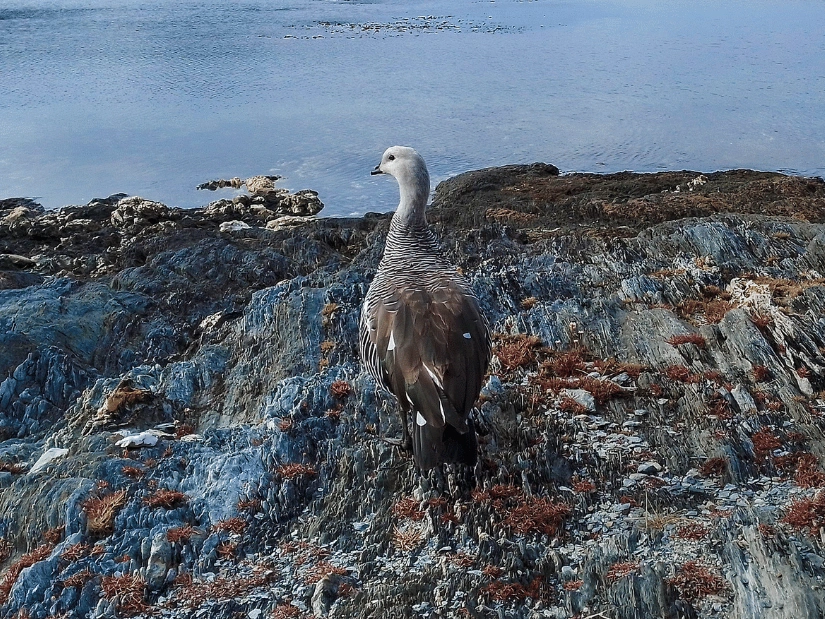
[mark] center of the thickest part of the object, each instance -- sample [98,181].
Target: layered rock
[650,433]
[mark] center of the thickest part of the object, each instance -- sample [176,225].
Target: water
[153,98]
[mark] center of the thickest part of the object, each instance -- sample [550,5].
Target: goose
[422,334]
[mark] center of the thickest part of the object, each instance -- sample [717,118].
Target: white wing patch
[419,419]
[435,378]
[468,336]
[391,345]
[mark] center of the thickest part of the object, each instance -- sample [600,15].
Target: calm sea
[152,98]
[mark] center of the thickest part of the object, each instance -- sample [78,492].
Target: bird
[422,334]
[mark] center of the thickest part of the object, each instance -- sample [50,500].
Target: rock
[581,396]
[128,315]
[325,594]
[233,226]
[286,222]
[148,438]
[49,456]
[650,468]
[160,557]
[135,211]
[265,202]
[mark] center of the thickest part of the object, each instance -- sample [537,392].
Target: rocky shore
[185,430]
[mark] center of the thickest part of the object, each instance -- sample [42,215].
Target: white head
[409,169]
[400,161]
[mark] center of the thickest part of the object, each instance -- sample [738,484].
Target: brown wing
[433,347]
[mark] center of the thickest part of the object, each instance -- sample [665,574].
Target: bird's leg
[405,442]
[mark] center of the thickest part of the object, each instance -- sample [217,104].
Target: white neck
[414,186]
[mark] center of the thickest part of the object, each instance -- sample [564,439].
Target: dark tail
[432,446]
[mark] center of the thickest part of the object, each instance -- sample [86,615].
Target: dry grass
[512,591]
[407,508]
[294,470]
[302,552]
[808,473]
[462,559]
[286,611]
[572,585]
[761,373]
[249,505]
[617,571]
[334,413]
[692,531]
[79,579]
[785,290]
[182,534]
[528,303]
[27,560]
[695,581]
[231,525]
[407,538]
[718,407]
[613,367]
[571,407]
[681,374]
[766,530]
[537,516]
[516,351]
[714,467]
[167,499]
[227,550]
[764,442]
[54,536]
[75,552]
[184,430]
[584,486]
[130,591]
[12,467]
[493,571]
[807,513]
[689,338]
[602,390]
[761,321]
[329,309]
[321,570]
[102,511]
[340,389]
[132,472]
[195,593]
[285,425]
[6,548]
[566,364]
[713,310]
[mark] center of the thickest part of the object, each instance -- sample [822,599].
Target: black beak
[377,170]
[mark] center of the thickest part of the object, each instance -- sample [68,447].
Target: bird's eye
[391,157]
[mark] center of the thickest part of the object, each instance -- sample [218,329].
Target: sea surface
[152,98]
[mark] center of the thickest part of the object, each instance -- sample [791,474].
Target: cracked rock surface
[185,430]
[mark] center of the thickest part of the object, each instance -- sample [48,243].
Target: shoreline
[303,202]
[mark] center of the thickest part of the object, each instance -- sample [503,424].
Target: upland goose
[422,335]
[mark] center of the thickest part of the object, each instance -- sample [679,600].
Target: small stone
[47,458]
[233,226]
[650,468]
[585,398]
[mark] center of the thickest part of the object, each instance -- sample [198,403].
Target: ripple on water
[152,98]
